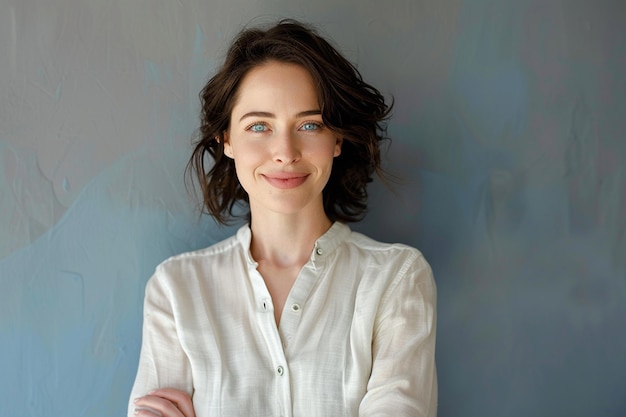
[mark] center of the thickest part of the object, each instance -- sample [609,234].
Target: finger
[181,399]
[153,405]
[146,412]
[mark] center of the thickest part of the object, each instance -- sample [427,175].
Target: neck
[286,240]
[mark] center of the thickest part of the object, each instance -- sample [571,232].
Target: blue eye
[258,127]
[308,126]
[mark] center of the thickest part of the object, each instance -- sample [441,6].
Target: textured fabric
[356,336]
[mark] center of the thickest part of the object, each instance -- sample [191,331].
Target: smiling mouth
[285,182]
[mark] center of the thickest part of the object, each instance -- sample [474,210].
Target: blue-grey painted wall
[509,134]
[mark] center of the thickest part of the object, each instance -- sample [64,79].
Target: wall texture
[509,134]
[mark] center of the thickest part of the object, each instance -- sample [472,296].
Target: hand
[165,402]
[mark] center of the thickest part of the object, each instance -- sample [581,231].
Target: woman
[295,315]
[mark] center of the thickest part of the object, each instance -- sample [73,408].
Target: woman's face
[283,153]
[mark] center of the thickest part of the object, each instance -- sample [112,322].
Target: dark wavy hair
[350,108]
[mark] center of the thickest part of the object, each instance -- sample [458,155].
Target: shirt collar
[328,242]
[324,246]
[244,236]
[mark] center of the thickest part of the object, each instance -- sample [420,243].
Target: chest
[322,349]
[279,281]
[243,363]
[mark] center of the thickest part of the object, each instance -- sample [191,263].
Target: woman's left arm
[404,378]
[165,402]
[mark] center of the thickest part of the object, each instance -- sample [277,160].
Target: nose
[286,148]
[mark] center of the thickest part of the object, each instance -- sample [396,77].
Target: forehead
[276,83]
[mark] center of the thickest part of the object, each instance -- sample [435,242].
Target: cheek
[246,163]
[243,153]
[241,167]
[244,175]
[325,147]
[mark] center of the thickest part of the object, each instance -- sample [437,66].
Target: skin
[283,155]
[165,402]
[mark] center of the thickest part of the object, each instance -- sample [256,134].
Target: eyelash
[318,125]
[250,126]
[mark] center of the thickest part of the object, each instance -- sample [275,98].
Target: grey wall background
[508,132]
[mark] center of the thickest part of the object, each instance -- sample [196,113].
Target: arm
[165,402]
[404,379]
[163,362]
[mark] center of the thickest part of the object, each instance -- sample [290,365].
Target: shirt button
[319,251]
[295,307]
[280,371]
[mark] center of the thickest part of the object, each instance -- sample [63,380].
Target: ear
[338,146]
[228,149]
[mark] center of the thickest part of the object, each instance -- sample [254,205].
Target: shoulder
[409,276]
[391,272]
[217,250]
[186,268]
[367,243]
[385,253]
[396,264]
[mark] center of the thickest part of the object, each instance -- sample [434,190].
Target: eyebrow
[273,116]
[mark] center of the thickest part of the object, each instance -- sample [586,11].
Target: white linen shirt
[356,336]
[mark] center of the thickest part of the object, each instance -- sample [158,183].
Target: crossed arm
[403,376]
[165,402]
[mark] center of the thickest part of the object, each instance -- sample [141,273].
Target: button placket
[265,305]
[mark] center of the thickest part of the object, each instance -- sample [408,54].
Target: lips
[286,180]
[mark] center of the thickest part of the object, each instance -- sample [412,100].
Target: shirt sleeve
[162,362]
[403,381]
